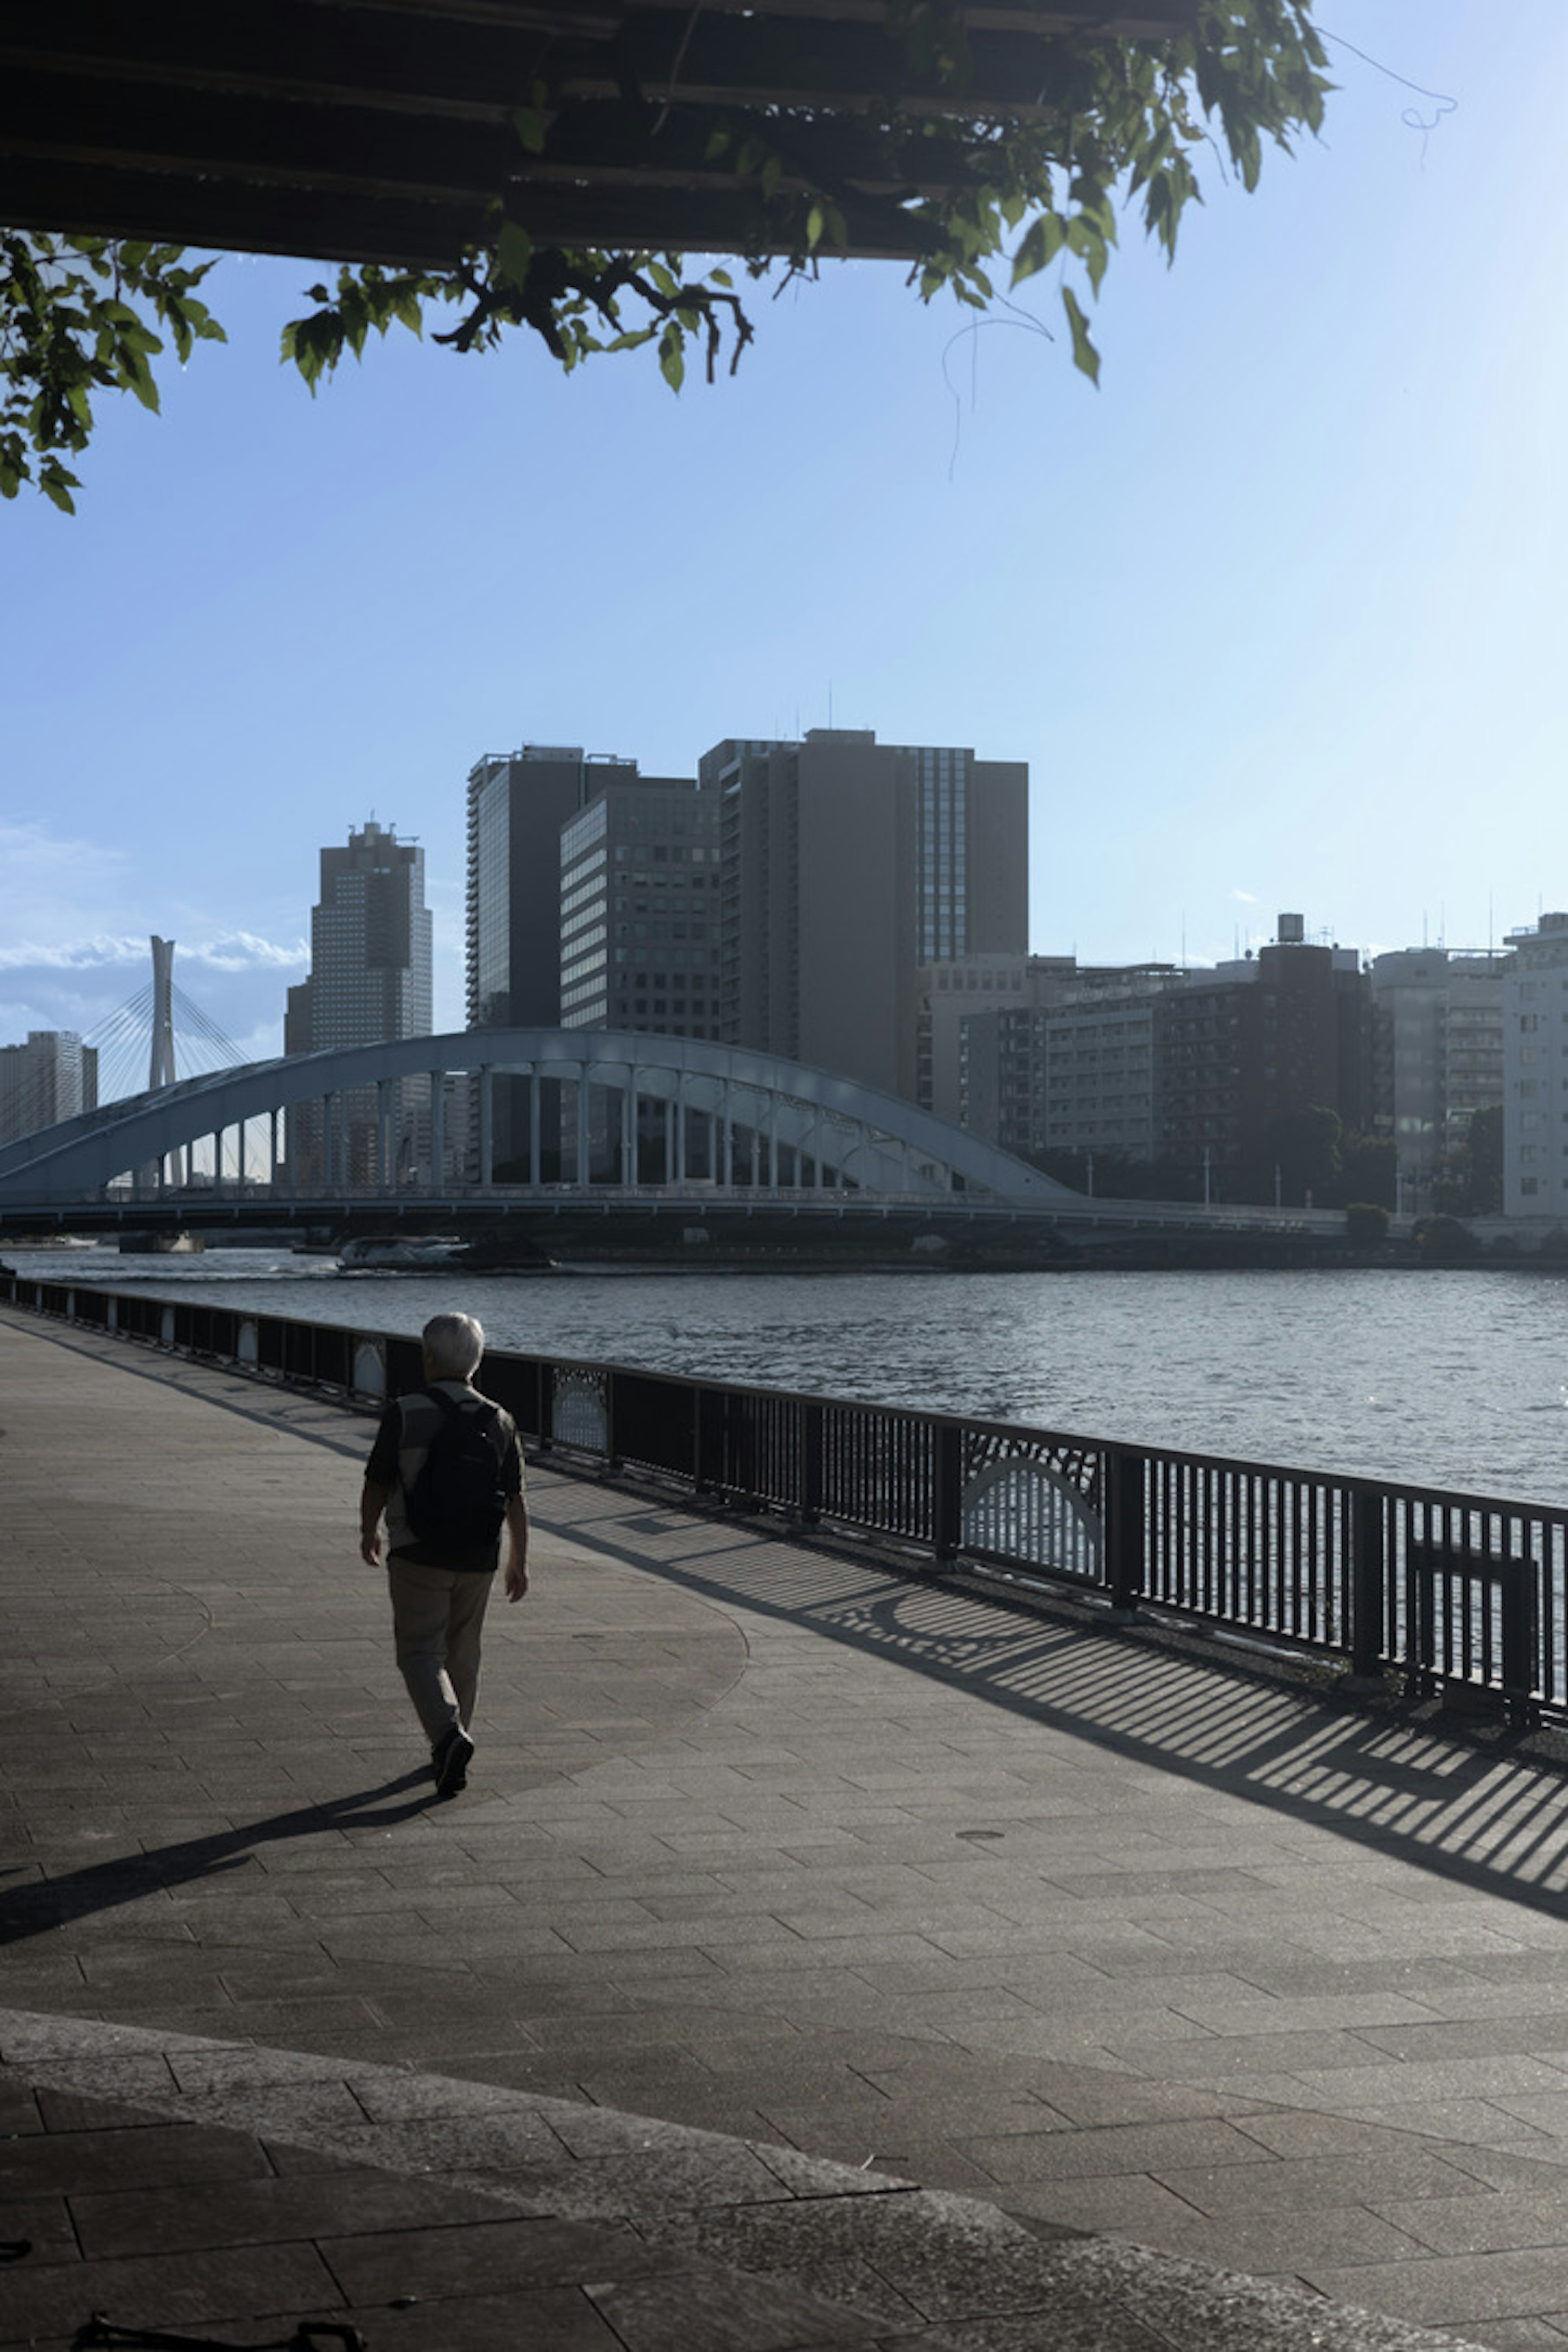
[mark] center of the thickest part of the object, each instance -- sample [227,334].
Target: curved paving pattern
[774,1846]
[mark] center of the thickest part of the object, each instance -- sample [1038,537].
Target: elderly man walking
[445,1473]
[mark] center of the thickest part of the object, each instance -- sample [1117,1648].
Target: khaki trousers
[437,1616]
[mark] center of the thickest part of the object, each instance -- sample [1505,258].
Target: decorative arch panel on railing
[1038,1504]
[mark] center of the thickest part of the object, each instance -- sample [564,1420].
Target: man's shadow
[36,1908]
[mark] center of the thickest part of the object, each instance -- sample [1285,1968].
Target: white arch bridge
[490,1112]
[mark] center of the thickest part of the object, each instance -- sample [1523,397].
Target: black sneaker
[453,1756]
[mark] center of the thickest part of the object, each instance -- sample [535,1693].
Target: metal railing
[1444,1590]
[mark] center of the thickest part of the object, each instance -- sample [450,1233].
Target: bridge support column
[487,1132]
[629,1127]
[535,1126]
[437,1130]
[384,1164]
[584,1168]
[726,1115]
[680,1129]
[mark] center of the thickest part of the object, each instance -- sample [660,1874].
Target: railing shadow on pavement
[1493,1817]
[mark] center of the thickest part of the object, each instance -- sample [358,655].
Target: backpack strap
[487,1418]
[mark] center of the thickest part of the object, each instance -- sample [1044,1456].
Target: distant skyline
[1271,616]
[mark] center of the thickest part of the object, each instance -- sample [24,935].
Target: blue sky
[1272,616]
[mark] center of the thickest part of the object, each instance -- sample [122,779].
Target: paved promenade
[818,1956]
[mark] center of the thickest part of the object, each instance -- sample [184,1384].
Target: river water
[1449,1379]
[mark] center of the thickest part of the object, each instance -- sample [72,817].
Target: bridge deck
[771,1843]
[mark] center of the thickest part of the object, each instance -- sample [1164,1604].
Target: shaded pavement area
[821,1955]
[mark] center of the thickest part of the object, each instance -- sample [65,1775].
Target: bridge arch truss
[491,1109]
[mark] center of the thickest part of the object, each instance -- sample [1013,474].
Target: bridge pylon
[161,1066]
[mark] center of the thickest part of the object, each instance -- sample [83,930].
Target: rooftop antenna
[1183,938]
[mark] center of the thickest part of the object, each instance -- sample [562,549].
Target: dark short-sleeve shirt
[407,1429]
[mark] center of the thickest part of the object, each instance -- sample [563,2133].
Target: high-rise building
[639,909]
[53,1077]
[370,980]
[1535,1071]
[518,803]
[845,864]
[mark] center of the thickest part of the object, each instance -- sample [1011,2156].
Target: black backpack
[456,1506]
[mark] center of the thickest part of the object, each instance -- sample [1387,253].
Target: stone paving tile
[263,2212]
[1523,2334]
[480,2259]
[1397,2083]
[1267,2244]
[1468,2123]
[1166,2149]
[1465,2225]
[166,2291]
[44,2225]
[545,2319]
[695,2312]
[75,2163]
[1457,2290]
[1288,2185]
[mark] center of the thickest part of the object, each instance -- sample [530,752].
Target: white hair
[454,1344]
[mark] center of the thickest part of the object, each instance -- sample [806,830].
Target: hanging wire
[123,1042]
[1412,118]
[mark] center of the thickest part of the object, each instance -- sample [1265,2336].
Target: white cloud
[244,951]
[229,952]
[73,955]
[1247,898]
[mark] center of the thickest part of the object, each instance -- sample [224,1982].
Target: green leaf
[672,356]
[1041,244]
[528,121]
[1084,354]
[514,253]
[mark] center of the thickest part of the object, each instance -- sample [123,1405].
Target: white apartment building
[949,995]
[1100,1064]
[1535,1071]
[1069,1063]
[1439,1020]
